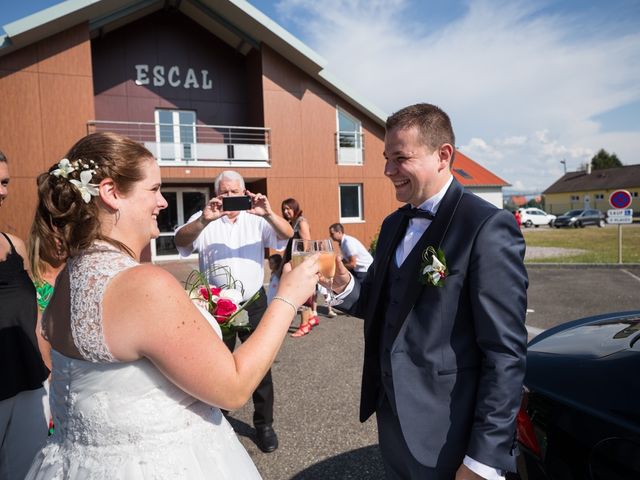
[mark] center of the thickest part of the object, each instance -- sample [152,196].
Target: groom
[444,305]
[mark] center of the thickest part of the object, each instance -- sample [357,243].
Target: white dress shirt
[350,246]
[237,245]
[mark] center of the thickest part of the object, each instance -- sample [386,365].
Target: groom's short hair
[433,124]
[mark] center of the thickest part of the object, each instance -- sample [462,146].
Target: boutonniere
[433,270]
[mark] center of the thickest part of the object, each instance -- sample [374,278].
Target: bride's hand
[299,284]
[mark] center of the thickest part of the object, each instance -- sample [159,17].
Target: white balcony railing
[349,148]
[194,144]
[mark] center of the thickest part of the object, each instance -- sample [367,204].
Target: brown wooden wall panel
[67,105]
[20,133]
[282,115]
[46,100]
[25,59]
[66,53]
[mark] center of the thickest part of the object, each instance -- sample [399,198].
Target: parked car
[580,415]
[580,218]
[534,217]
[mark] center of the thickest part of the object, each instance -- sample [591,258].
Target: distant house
[591,189]
[518,200]
[478,179]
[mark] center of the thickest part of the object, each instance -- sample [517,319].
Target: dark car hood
[591,364]
[592,338]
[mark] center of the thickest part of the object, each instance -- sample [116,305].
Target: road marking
[634,276]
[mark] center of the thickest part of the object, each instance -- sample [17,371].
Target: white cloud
[520,85]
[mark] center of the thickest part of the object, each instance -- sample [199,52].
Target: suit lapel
[433,236]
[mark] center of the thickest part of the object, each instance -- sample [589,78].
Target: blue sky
[527,84]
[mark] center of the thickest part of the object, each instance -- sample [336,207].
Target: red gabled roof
[469,173]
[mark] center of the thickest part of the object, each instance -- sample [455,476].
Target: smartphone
[231,204]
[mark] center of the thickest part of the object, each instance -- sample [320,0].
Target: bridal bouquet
[223,303]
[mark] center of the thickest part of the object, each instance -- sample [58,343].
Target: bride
[139,373]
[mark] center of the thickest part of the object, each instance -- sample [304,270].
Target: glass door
[182,203]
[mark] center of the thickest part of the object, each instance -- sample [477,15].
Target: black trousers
[263,394]
[399,463]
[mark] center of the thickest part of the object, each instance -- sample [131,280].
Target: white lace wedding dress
[126,420]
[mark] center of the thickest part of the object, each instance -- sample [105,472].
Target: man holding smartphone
[233,230]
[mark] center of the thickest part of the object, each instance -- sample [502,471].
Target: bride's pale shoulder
[147,277]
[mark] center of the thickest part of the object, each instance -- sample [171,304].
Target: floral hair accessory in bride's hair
[84,185]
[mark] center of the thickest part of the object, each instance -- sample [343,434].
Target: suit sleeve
[498,290]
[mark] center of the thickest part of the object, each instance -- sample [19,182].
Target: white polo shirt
[351,246]
[238,245]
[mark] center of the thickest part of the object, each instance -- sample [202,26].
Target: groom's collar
[432,204]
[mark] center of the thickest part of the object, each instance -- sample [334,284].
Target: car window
[573,213]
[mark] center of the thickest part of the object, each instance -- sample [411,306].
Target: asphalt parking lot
[317,377]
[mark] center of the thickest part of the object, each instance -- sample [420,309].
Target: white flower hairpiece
[84,185]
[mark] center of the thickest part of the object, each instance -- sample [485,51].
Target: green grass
[600,245]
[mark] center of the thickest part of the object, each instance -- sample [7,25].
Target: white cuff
[485,471]
[339,297]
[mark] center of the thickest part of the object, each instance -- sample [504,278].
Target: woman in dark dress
[292,212]
[23,426]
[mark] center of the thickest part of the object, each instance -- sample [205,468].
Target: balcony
[196,145]
[349,148]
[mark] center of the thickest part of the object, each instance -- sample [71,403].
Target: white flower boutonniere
[433,270]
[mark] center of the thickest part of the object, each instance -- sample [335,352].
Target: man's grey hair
[230,176]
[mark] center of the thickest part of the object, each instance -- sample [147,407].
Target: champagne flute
[301,249]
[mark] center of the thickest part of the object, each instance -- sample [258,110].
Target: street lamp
[564,163]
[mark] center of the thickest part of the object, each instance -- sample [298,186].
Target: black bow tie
[416,213]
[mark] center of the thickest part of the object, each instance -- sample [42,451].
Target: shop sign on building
[159,76]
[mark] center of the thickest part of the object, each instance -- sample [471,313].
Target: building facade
[592,189]
[206,86]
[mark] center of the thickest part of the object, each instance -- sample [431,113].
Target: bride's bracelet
[288,302]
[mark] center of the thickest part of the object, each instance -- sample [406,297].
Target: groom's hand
[342,276]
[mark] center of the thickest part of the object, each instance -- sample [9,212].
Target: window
[348,139]
[351,203]
[634,194]
[575,197]
[176,134]
[462,173]
[599,196]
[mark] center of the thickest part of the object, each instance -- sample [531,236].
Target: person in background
[43,275]
[236,240]
[23,422]
[518,217]
[140,372]
[292,212]
[444,304]
[275,265]
[355,255]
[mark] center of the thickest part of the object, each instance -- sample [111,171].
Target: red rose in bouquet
[224,309]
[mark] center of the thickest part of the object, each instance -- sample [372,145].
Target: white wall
[490,194]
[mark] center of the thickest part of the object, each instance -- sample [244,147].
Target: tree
[604,159]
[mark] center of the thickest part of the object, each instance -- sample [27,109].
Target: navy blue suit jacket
[458,358]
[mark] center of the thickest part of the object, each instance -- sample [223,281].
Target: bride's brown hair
[64,223]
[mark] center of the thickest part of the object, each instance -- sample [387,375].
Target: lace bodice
[126,420]
[89,275]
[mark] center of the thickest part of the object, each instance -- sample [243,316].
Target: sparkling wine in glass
[327,259]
